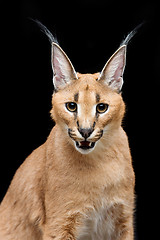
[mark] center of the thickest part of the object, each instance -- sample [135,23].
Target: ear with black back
[112,73]
[63,70]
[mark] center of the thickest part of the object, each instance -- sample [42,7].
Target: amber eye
[102,107]
[71,106]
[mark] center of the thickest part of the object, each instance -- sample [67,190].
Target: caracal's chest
[98,225]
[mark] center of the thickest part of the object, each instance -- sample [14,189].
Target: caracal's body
[79,185]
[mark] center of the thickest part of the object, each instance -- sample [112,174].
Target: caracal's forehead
[86,87]
[87,82]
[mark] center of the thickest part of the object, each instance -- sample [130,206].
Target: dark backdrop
[89,31]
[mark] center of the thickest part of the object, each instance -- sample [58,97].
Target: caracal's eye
[102,107]
[71,106]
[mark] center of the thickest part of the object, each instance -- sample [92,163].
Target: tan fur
[59,193]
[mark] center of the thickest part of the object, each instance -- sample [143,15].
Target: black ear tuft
[131,34]
[45,30]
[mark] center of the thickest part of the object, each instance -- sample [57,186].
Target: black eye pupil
[101,107]
[72,105]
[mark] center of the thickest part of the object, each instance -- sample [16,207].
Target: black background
[89,31]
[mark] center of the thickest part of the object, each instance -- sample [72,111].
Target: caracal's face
[87,107]
[87,110]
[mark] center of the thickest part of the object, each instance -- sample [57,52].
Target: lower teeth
[85,146]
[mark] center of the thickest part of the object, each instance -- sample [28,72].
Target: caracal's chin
[85,147]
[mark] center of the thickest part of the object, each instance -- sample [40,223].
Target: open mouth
[85,145]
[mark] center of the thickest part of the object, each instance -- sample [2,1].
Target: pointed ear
[112,73]
[63,70]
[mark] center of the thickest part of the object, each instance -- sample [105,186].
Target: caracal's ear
[112,73]
[63,70]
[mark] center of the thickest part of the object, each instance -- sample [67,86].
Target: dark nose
[85,132]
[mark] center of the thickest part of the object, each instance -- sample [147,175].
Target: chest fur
[100,224]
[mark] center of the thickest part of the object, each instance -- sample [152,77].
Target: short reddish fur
[59,193]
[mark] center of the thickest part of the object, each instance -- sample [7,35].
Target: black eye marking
[76,96]
[102,108]
[94,124]
[97,97]
[71,106]
[78,124]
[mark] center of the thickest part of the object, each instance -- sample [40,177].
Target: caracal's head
[87,107]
